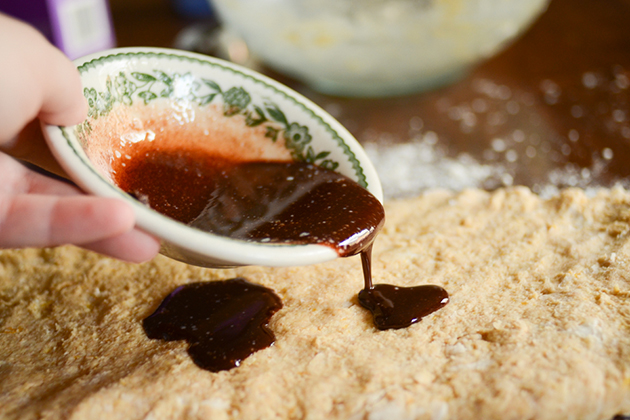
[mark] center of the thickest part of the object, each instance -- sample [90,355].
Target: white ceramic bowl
[376,47]
[131,91]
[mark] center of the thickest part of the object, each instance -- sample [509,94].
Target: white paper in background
[81,26]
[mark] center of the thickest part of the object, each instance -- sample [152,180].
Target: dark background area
[557,97]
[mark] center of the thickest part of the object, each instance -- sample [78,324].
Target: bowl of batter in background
[145,100]
[376,47]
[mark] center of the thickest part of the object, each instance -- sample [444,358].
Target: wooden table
[551,108]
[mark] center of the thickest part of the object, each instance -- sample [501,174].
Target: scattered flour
[409,168]
[510,144]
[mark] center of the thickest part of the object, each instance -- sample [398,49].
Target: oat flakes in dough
[538,326]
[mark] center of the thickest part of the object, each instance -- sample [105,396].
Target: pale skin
[38,83]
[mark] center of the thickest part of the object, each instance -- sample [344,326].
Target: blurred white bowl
[376,47]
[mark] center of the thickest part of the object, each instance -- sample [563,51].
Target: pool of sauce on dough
[223,322]
[269,202]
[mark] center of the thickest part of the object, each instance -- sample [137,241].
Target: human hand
[38,82]
[38,211]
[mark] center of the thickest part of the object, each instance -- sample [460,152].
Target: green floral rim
[127,87]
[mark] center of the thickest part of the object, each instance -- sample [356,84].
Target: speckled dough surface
[538,326]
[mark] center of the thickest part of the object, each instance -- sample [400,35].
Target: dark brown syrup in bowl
[273,202]
[268,202]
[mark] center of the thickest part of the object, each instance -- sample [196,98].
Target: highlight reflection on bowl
[145,102]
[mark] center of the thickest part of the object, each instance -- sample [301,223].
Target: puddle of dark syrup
[274,202]
[396,307]
[223,321]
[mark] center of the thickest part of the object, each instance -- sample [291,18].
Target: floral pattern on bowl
[125,87]
[138,95]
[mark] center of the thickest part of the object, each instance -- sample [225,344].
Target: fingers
[133,246]
[17,179]
[38,211]
[37,80]
[30,146]
[42,221]
[43,184]
[63,102]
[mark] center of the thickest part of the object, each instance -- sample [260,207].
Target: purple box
[76,27]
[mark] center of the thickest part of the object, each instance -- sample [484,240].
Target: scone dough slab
[538,326]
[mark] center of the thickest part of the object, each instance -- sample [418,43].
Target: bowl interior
[147,100]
